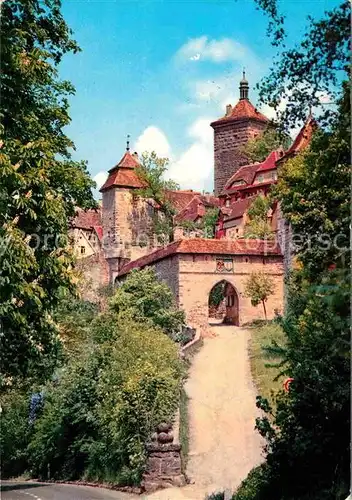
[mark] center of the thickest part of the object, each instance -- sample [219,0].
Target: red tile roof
[123,174]
[270,161]
[127,161]
[243,110]
[197,207]
[122,178]
[245,173]
[87,219]
[303,138]
[205,246]
[99,231]
[248,172]
[180,199]
[239,207]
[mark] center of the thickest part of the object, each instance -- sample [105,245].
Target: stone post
[163,468]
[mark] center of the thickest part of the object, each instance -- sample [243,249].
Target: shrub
[254,486]
[15,433]
[107,403]
[143,297]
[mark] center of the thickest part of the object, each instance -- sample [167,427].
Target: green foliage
[121,378]
[276,21]
[258,148]
[209,221]
[254,486]
[313,418]
[313,69]
[184,428]
[264,362]
[314,190]
[143,297]
[106,405]
[40,185]
[217,294]
[258,288]
[73,317]
[152,174]
[258,225]
[15,432]
[216,496]
[308,432]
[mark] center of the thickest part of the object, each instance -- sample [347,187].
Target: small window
[83,250]
[274,176]
[260,178]
[227,203]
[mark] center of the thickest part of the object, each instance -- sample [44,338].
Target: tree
[258,288]
[314,191]
[307,435]
[73,317]
[107,403]
[40,185]
[258,225]
[152,174]
[309,74]
[258,148]
[209,221]
[144,298]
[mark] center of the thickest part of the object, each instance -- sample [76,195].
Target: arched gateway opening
[223,304]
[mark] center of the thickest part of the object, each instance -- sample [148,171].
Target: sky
[161,71]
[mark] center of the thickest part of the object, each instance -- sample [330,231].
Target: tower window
[83,250]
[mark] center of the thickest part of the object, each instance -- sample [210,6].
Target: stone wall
[167,270]
[127,224]
[192,276]
[228,140]
[95,274]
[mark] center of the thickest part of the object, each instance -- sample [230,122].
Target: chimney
[228,110]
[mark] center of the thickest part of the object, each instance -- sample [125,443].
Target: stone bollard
[163,468]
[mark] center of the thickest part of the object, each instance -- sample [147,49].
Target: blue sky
[161,71]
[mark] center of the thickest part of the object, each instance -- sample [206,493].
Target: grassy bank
[264,375]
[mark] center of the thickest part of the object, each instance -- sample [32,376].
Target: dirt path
[224,446]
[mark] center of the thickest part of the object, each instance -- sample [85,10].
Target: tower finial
[128,142]
[244,87]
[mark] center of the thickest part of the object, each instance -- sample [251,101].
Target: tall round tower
[240,123]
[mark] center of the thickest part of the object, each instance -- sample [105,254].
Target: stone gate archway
[223,304]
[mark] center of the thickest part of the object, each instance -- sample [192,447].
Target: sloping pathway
[224,445]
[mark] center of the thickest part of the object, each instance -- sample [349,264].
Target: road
[42,491]
[223,443]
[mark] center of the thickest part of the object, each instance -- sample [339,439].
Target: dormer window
[227,202]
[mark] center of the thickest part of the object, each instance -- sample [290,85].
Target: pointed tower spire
[128,142]
[244,87]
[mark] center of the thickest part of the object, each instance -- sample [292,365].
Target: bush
[144,298]
[15,433]
[97,419]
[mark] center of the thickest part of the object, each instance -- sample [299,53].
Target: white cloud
[202,48]
[100,178]
[194,168]
[210,90]
[153,139]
